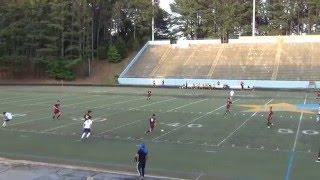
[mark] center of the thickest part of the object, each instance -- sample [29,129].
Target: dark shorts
[86,130]
[56,111]
[7,120]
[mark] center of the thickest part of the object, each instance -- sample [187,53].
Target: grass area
[198,141]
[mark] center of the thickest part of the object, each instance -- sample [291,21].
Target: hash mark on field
[231,134]
[192,121]
[195,102]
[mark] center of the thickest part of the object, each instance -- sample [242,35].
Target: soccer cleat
[318,160]
[268,126]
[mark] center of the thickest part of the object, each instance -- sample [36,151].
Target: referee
[141,159]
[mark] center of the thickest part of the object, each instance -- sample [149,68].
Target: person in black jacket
[141,159]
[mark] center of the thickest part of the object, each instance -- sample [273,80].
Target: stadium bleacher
[278,60]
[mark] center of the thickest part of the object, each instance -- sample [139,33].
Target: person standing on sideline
[141,159]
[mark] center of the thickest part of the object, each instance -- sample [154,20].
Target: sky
[165,4]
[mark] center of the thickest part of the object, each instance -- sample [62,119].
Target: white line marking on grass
[153,103]
[292,154]
[113,129]
[201,174]
[195,102]
[69,111]
[67,105]
[69,124]
[231,134]
[25,100]
[192,121]
[298,130]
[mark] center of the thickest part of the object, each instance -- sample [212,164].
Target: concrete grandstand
[275,58]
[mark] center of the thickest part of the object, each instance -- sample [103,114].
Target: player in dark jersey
[141,159]
[56,110]
[269,120]
[228,105]
[149,94]
[152,123]
[318,94]
[87,115]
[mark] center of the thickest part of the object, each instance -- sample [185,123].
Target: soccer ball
[162,130]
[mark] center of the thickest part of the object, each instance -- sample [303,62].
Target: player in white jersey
[231,94]
[318,115]
[6,118]
[86,128]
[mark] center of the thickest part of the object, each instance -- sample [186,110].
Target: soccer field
[198,141]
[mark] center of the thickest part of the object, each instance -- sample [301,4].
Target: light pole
[152,20]
[254,18]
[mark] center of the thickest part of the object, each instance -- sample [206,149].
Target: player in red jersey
[149,94]
[228,105]
[56,110]
[152,123]
[269,120]
[317,94]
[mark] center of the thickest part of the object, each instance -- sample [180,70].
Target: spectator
[141,159]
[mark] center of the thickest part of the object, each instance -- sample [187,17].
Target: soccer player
[141,159]
[228,105]
[318,158]
[149,94]
[318,115]
[6,118]
[56,110]
[231,94]
[269,120]
[152,123]
[86,128]
[318,94]
[87,115]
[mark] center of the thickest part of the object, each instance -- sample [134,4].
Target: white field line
[192,121]
[298,130]
[69,124]
[200,175]
[63,106]
[73,111]
[118,127]
[23,100]
[195,102]
[231,134]
[152,103]
[64,125]
[101,136]
[62,98]
[74,167]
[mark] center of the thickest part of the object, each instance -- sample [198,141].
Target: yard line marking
[69,124]
[192,121]
[66,105]
[186,105]
[231,134]
[153,103]
[292,154]
[200,175]
[69,111]
[9,102]
[58,127]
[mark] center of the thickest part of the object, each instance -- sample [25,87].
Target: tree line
[231,18]
[56,37]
